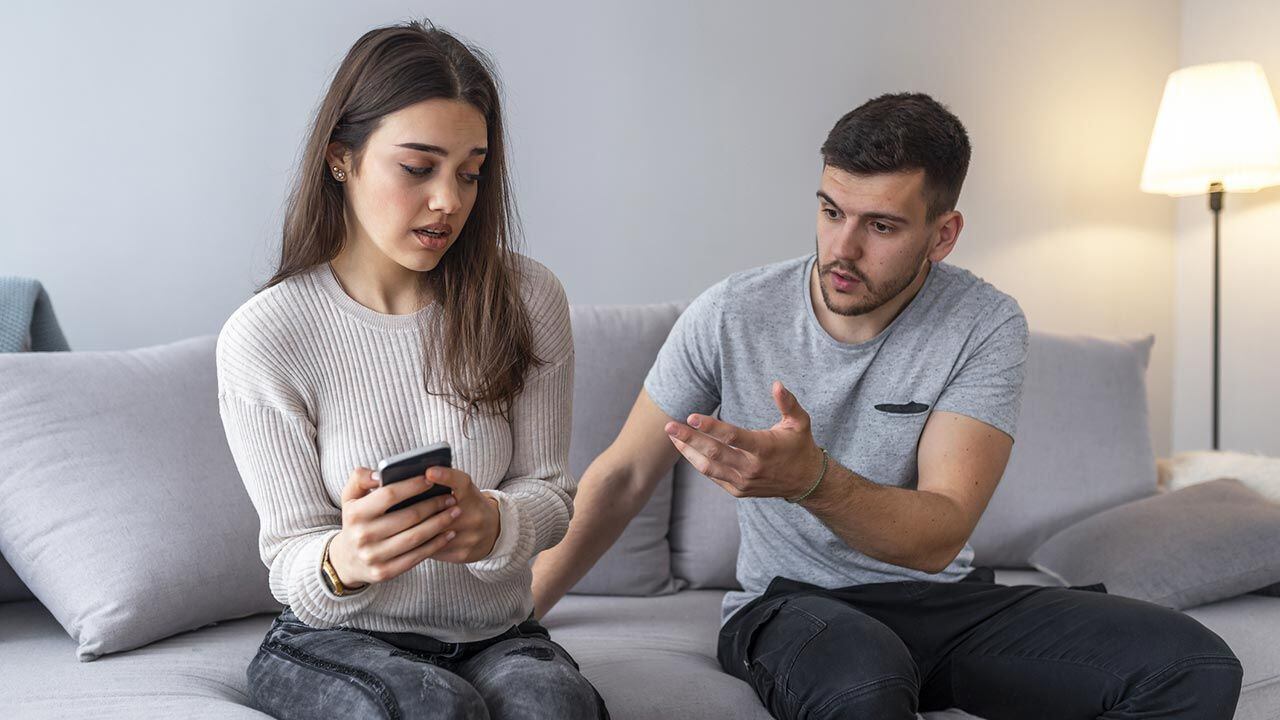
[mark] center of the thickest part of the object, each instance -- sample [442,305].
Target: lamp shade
[1217,123]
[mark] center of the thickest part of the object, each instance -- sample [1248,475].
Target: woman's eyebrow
[437,150]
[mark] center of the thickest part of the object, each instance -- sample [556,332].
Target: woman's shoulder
[548,307]
[536,279]
[269,315]
[263,338]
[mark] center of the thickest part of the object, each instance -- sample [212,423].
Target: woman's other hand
[478,523]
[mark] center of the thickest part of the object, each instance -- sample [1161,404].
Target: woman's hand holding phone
[374,545]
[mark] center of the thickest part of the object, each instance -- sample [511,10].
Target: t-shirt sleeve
[988,385]
[686,375]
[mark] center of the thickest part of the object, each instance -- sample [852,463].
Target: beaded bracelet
[814,486]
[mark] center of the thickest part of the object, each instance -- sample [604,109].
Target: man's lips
[843,282]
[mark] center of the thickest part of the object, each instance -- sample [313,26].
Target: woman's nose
[443,197]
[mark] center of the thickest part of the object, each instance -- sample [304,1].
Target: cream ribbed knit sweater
[312,384]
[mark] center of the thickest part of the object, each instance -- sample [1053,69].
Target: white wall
[658,146]
[1250,257]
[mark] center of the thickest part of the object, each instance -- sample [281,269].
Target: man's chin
[843,303]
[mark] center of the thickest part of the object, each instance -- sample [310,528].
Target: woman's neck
[376,281]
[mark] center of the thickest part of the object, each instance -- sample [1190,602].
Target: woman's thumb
[361,483]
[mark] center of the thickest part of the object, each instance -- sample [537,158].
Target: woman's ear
[337,155]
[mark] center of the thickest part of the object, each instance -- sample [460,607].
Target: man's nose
[848,244]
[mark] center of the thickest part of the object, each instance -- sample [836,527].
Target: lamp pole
[1215,205]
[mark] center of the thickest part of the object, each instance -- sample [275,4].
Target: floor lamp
[1217,131]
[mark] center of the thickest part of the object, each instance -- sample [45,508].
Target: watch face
[330,575]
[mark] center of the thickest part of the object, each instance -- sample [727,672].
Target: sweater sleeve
[535,497]
[274,447]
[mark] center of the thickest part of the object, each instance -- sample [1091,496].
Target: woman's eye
[416,171]
[471,178]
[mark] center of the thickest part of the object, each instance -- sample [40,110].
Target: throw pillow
[120,503]
[1083,444]
[1179,549]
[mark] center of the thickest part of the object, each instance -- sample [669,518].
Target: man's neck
[861,328]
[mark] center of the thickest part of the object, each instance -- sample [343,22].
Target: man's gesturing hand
[782,461]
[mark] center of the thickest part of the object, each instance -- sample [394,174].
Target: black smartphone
[413,463]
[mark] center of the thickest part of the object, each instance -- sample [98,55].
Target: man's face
[872,237]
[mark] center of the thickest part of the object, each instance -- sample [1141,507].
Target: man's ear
[338,154]
[948,232]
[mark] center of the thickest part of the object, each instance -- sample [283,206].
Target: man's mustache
[847,269]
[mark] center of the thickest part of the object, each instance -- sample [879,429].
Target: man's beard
[877,294]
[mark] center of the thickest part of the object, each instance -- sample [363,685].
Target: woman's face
[417,181]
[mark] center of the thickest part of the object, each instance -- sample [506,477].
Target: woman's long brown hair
[485,334]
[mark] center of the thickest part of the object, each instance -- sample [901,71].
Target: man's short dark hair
[903,132]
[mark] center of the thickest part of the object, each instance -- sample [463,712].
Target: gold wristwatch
[330,574]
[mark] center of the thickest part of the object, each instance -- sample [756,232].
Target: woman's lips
[431,242]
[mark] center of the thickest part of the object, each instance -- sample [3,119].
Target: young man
[868,397]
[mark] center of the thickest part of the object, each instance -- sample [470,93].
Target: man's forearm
[912,528]
[604,504]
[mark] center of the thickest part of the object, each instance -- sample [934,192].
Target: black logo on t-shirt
[911,408]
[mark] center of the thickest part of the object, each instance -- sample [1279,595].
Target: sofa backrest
[1082,446]
[614,347]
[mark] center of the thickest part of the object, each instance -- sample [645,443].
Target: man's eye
[831,213]
[416,171]
[882,228]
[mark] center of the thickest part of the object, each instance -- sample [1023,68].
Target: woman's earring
[339,174]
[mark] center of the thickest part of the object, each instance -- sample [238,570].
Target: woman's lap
[304,672]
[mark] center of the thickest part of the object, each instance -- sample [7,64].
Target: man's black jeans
[888,650]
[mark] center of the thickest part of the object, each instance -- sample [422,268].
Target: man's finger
[709,447]
[699,462]
[727,433]
[787,403]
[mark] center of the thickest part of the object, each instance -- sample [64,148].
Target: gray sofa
[643,623]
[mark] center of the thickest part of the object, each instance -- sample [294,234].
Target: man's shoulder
[758,287]
[961,292]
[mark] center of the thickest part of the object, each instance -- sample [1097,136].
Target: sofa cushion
[704,531]
[650,658]
[120,504]
[1083,444]
[614,346]
[1178,549]
[199,674]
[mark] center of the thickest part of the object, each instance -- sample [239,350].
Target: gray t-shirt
[959,346]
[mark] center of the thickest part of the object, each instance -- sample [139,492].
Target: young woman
[401,316]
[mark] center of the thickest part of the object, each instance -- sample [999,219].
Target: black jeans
[305,672]
[888,650]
